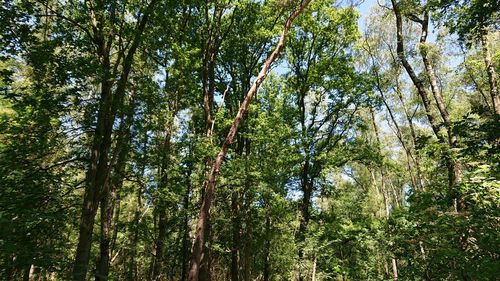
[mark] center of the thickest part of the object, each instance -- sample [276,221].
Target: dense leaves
[112,114]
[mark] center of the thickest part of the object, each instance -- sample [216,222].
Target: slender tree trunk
[185,239]
[161,208]
[96,176]
[399,133]
[490,69]
[267,251]
[313,276]
[106,218]
[132,268]
[209,187]
[413,133]
[383,186]
[307,189]
[236,236]
[394,268]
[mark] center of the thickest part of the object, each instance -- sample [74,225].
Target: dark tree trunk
[409,69]
[132,267]
[161,208]
[235,236]
[267,251]
[185,238]
[98,171]
[109,199]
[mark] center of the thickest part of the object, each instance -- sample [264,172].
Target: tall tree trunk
[307,189]
[453,167]
[235,236]
[383,188]
[209,187]
[409,69]
[132,266]
[110,195]
[313,275]
[409,119]
[96,176]
[161,208]
[109,103]
[399,133]
[267,251]
[185,238]
[490,68]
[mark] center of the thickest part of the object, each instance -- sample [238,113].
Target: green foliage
[379,192]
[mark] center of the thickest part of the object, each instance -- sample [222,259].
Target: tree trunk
[413,134]
[490,68]
[96,177]
[132,267]
[110,195]
[98,170]
[161,208]
[236,236]
[313,276]
[453,167]
[383,188]
[185,239]
[209,187]
[409,69]
[267,250]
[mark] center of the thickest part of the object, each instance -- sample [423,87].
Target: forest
[249,140]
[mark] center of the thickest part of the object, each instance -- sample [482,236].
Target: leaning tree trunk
[209,186]
[409,69]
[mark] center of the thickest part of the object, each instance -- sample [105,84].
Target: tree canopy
[249,140]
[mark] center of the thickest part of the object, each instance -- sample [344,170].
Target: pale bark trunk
[413,134]
[199,241]
[394,269]
[453,167]
[409,69]
[313,277]
[384,191]
[492,75]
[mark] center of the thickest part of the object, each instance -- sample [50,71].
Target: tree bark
[409,69]
[383,188]
[490,68]
[161,208]
[267,250]
[453,167]
[209,187]
[109,200]
[185,239]
[98,170]
[236,236]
